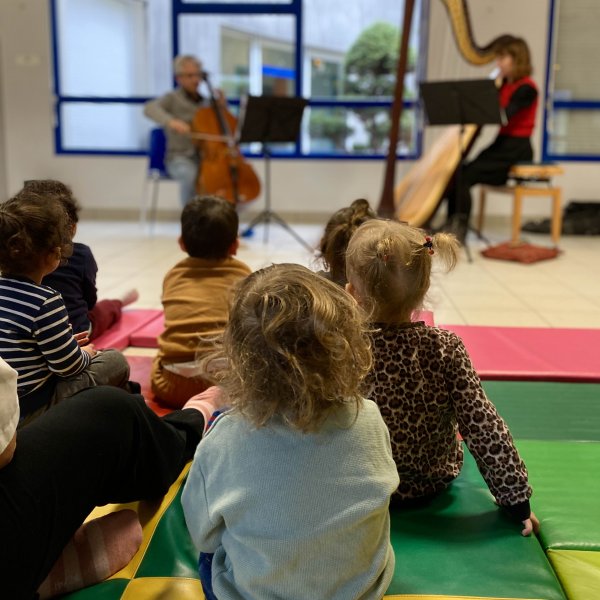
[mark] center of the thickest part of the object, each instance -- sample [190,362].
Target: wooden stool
[524,176]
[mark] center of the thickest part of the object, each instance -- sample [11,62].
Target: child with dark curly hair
[37,339]
[288,494]
[75,279]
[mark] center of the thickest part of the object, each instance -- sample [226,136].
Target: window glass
[242,53]
[577,49]
[278,71]
[575,132]
[237,1]
[100,46]
[354,48]
[235,64]
[326,76]
[356,131]
[104,126]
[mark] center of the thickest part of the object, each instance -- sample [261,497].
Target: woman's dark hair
[519,50]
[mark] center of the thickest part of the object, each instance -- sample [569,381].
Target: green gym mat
[464,545]
[548,411]
[566,492]
[461,545]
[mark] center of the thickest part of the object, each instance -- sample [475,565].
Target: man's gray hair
[183,59]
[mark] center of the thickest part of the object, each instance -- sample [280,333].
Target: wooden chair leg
[556,215]
[516,218]
[481,214]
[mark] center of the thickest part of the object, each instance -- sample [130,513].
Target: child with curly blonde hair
[422,377]
[288,494]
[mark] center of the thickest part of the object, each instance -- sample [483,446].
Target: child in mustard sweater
[195,298]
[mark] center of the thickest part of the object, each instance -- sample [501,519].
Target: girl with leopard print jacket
[422,377]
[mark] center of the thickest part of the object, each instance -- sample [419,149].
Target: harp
[416,198]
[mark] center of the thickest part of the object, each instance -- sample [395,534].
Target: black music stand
[470,101]
[268,120]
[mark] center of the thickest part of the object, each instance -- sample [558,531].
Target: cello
[416,198]
[223,170]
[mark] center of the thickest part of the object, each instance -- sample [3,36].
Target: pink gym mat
[423,315]
[532,353]
[147,335]
[119,335]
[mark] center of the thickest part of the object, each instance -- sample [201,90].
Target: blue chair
[156,172]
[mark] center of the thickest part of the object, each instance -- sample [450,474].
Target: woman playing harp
[418,195]
[518,96]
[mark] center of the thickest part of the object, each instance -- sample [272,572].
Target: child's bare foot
[129,297]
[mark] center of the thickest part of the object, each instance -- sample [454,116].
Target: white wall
[26,113]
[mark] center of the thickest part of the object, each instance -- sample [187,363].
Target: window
[572,117]
[111,56]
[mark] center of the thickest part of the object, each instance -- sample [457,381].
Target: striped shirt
[35,337]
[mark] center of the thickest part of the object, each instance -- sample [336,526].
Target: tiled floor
[563,292]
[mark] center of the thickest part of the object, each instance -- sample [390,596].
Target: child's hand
[90,350]
[83,338]
[531,525]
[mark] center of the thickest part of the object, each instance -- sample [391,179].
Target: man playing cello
[175,111]
[202,154]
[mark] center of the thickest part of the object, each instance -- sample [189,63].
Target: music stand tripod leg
[271,119]
[468,252]
[291,231]
[268,215]
[480,235]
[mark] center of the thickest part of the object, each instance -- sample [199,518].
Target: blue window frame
[100,85]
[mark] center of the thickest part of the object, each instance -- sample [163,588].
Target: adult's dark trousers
[102,445]
[491,167]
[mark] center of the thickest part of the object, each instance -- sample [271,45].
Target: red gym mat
[118,336]
[140,367]
[532,353]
